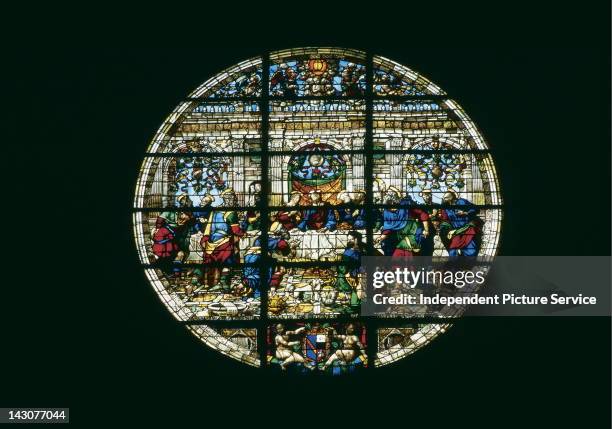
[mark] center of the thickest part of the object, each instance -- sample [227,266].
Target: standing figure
[403,226]
[284,347]
[379,190]
[179,225]
[427,241]
[350,349]
[347,279]
[251,274]
[461,227]
[219,238]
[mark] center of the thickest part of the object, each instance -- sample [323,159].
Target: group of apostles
[404,228]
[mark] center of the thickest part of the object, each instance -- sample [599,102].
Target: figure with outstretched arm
[284,347]
[404,226]
[350,349]
[290,217]
[350,218]
[219,240]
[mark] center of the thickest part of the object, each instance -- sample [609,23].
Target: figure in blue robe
[355,218]
[461,227]
[393,220]
[251,273]
[403,228]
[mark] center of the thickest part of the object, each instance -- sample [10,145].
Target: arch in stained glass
[265,185]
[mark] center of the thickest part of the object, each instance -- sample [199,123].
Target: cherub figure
[284,350]
[351,347]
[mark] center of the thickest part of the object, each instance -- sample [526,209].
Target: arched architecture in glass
[268,180]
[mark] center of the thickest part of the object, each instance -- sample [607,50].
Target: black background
[87,331]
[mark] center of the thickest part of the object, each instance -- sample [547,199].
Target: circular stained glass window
[262,190]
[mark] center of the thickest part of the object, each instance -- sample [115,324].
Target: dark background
[87,331]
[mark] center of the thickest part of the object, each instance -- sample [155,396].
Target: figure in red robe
[460,228]
[319,217]
[164,244]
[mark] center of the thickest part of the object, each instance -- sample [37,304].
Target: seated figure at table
[290,218]
[165,245]
[253,218]
[350,218]
[320,217]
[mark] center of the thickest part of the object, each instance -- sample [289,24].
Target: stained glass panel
[398,342]
[189,181]
[338,123]
[391,78]
[316,292]
[317,175]
[424,125]
[240,344]
[462,230]
[317,72]
[236,218]
[332,348]
[241,81]
[427,177]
